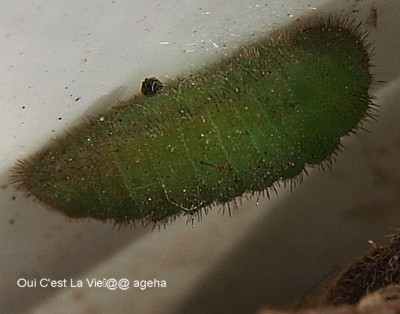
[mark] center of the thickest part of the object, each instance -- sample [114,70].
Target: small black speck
[14,198]
[11,221]
[78,98]
[59,118]
[151,86]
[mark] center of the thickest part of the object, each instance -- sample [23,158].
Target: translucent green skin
[249,122]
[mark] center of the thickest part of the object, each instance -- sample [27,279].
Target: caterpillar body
[253,119]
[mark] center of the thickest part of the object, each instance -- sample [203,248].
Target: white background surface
[54,52]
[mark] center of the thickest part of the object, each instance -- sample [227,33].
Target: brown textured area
[383,301]
[375,270]
[370,285]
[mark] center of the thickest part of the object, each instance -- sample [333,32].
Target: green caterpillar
[247,122]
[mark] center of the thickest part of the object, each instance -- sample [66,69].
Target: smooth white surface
[54,52]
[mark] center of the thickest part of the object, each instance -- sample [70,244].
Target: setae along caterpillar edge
[251,120]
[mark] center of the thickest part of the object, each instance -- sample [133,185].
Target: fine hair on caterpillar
[240,126]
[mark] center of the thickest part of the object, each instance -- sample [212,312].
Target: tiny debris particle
[373,18]
[151,86]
